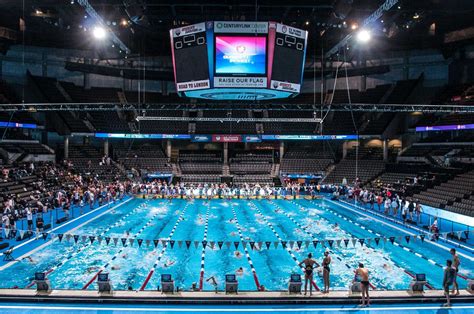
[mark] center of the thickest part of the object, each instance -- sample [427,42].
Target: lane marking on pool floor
[398,228]
[16,247]
[408,272]
[49,242]
[204,244]
[88,244]
[163,250]
[254,272]
[124,245]
[313,237]
[398,222]
[281,241]
[236,309]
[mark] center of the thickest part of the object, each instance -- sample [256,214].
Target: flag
[346,242]
[227,244]
[60,237]
[377,240]
[131,240]
[188,243]
[407,238]
[275,244]
[204,244]
[45,235]
[338,243]
[155,242]
[299,243]
[212,244]
[107,240]
[196,244]
[92,239]
[115,241]
[283,243]
[392,239]
[172,243]
[252,244]
[361,241]
[76,238]
[354,241]
[124,241]
[292,244]
[180,243]
[147,243]
[219,244]
[140,241]
[315,243]
[330,243]
[267,244]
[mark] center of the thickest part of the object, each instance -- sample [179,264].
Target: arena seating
[305,162]
[89,160]
[367,170]
[200,162]
[455,195]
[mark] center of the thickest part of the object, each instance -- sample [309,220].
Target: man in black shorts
[363,274]
[308,273]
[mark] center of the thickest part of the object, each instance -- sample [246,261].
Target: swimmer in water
[238,254]
[124,256]
[115,267]
[212,280]
[387,267]
[169,263]
[239,272]
[336,226]
[30,259]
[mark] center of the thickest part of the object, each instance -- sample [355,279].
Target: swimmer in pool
[336,226]
[238,254]
[239,272]
[387,267]
[30,259]
[115,267]
[91,269]
[169,263]
[124,256]
[212,280]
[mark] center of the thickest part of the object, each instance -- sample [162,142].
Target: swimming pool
[137,264]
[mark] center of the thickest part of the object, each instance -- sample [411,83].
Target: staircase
[225,170]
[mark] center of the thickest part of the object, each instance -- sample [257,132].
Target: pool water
[73,266]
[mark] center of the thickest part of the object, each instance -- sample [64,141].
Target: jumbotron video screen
[224,60]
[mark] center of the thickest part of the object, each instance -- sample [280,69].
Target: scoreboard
[238,60]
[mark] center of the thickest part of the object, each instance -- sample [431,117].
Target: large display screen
[241,55]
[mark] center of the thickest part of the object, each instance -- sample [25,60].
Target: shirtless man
[308,273]
[363,274]
[456,263]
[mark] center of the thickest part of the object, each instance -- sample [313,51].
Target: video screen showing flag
[241,55]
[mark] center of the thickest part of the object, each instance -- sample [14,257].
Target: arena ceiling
[142,25]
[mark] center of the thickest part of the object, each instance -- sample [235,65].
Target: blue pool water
[72,266]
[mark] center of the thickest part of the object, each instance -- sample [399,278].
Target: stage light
[124,22]
[99,32]
[307,23]
[354,26]
[363,36]
[416,16]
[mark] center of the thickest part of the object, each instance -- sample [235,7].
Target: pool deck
[156,297]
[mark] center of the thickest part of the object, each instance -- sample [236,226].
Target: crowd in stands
[32,190]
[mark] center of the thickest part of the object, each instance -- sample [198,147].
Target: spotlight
[354,26]
[363,36]
[307,23]
[124,22]
[72,1]
[99,32]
